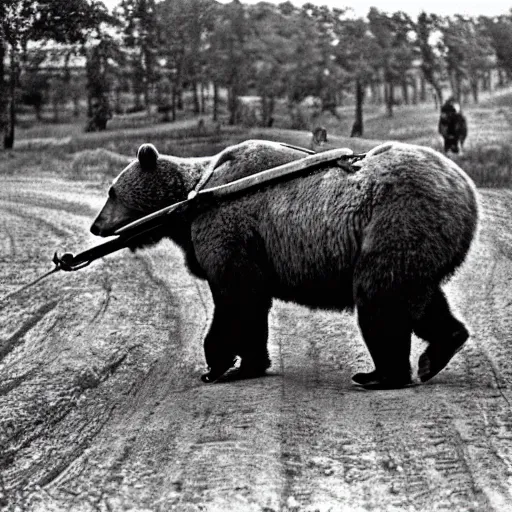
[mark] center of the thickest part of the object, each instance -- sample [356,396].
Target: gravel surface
[102,409]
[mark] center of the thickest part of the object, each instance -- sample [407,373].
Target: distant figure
[357,129]
[319,137]
[101,114]
[452,126]
[201,128]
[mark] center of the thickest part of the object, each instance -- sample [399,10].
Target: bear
[452,126]
[380,240]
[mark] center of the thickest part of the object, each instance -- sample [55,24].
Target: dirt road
[102,409]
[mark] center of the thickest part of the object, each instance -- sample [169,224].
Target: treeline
[162,51]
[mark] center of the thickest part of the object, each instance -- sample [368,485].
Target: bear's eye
[111,193]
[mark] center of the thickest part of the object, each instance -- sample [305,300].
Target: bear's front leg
[219,347]
[239,328]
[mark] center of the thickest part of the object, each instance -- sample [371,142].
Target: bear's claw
[437,356]
[372,380]
[237,371]
[214,374]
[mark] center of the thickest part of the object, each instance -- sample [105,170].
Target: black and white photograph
[255,256]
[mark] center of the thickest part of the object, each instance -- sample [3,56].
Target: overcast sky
[444,7]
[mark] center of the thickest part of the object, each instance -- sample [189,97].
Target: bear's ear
[147,155]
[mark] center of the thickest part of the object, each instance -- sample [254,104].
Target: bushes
[96,164]
[98,156]
[489,165]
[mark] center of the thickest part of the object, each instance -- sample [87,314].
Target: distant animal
[101,114]
[201,127]
[382,239]
[452,126]
[318,137]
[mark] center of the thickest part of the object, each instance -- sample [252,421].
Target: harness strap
[334,155]
[219,160]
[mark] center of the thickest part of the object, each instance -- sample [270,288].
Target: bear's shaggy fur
[381,239]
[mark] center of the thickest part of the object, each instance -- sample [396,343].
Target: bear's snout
[101,227]
[112,217]
[95,230]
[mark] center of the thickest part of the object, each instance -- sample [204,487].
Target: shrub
[96,163]
[488,165]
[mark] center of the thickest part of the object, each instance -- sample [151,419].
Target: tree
[140,37]
[432,64]
[201,14]
[34,83]
[271,52]
[328,74]
[499,33]
[185,46]
[466,52]
[230,38]
[393,37]
[22,21]
[103,60]
[33,91]
[404,51]
[357,54]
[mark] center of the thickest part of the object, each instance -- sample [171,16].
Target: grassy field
[64,149]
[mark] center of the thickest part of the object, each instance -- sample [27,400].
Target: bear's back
[406,202]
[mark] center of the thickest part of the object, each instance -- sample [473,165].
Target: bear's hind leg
[444,333]
[386,329]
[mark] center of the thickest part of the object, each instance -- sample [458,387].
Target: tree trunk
[272,105]
[179,97]
[474,90]
[203,98]
[197,108]
[374,92]
[118,106]
[415,91]
[423,89]
[173,103]
[215,102]
[3,91]
[405,91]
[147,97]
[9,132]
[439,94]
[501,79]
[357,127]
[136,96]
[232,105]
[267,111]
[456,84]
[485,81]
[264,110]
[390,98]
[376,88]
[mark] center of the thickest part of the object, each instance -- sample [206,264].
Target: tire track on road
[8,344]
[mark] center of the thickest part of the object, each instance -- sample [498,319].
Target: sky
[442,7]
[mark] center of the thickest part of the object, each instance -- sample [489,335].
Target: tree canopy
[162,48]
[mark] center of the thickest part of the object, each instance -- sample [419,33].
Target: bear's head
[147,184]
